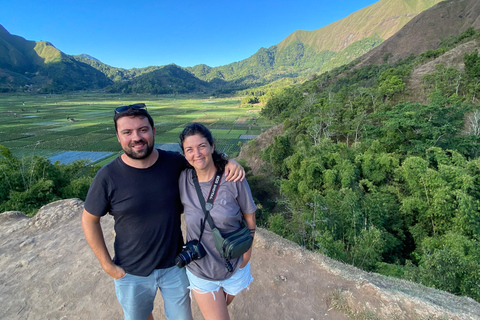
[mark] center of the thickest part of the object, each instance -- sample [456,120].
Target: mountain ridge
[299,55]
[351,33]
[24,63]
[426,31]
[303,52]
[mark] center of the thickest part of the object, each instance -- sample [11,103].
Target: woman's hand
[251,224]
[246,257]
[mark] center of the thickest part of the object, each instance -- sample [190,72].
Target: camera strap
[212,194]
[206,209]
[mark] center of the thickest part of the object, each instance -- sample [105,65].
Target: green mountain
[113,73]
[39,66]
[18,54]
[304,53]
[164,80]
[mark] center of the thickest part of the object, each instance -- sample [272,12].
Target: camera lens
[183,259]
[192,250]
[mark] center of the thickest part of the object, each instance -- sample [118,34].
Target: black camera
[193,250]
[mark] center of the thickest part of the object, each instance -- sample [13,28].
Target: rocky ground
[47,271]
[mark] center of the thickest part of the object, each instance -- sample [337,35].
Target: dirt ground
[47,271]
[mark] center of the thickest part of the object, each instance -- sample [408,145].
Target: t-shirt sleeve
[245,198]
[180,159]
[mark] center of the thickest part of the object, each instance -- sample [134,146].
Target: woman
[213,286]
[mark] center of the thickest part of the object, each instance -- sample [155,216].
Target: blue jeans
[136,294]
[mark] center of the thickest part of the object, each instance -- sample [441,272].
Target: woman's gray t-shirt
[233,199]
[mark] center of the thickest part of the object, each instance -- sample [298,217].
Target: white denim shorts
[240,280]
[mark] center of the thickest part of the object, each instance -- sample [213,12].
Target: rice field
[67,127]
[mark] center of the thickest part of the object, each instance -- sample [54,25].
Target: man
[140,190]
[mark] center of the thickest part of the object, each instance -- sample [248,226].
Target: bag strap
[211,198]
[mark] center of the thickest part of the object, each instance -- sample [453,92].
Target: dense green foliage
[373,180]
[27,184]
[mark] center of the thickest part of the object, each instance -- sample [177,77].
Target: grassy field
[55,125]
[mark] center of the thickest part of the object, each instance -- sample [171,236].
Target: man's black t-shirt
[145,204]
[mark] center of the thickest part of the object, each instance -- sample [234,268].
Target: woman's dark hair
[197,128]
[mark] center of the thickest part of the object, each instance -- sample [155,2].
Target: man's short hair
[131,112]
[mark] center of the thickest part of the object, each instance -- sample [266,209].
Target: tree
[450,263]
[445,80]
[28,183]
[391,82]
[283,104]
[412,128]
[320,125]
[472,64]
[391,86]
[472,69]
[473,123]
[368,249]
[276,153]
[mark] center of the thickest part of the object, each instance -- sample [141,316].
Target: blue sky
[130,34]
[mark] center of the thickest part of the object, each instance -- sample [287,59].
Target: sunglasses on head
[138,106]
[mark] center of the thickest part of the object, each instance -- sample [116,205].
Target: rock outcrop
[47,271]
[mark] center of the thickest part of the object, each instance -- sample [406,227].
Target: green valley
[49,124]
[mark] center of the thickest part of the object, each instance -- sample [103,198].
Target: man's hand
[94,236]
[233,171]
[114,271]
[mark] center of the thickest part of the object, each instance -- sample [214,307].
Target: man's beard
[139,155]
